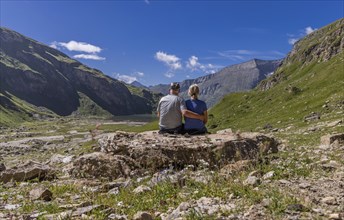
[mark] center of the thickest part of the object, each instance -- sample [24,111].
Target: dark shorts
[177,130]
[181,130]
[197,131]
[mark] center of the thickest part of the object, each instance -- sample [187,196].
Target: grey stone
[2,167]
[117,217]
[252,181]
[141,189]
[327,140]
[28,171]
[269,175]
[41,193]
[142,216]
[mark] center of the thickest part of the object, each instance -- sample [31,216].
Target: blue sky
[163,41]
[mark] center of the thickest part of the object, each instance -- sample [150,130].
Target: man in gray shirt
[170,110]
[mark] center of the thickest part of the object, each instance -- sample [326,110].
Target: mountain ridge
[234,78]
[43,76]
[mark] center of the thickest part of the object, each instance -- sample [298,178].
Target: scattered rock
[28,171]
[225,131]
[296,207]
[41,194]
[332,165]
[141,189]
[58,158]
[336,216]
[327,140]
[269,175]
[329,200]
[314,116]
[202,207]
[11,206]
[252,181]
[117,217]
[334,123]
[2,167]
[142,216]
[70,214]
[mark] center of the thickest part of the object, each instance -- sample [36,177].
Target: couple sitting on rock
[172,108]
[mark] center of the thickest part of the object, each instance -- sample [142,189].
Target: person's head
[194,91]
[174,88]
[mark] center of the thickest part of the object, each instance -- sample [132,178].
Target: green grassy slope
[14,111]
[310,80]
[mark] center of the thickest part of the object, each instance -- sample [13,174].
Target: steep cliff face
[319,46]
[43,76]
[235,78]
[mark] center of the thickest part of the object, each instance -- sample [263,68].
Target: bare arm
[158,114]
[205,114]
[190,114]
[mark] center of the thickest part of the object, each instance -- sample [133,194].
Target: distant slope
[43,76]
[138,84]
[239,77]
[311,79]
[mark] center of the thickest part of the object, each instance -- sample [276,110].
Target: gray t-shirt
[170,108]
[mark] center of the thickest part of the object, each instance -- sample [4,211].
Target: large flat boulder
[125,153]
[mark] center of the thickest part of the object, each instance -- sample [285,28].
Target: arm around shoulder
[190,114]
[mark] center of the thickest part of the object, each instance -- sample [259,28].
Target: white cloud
[140,74]
[292,41]
[54,45]
[293,38]
[232,55]
[125,78]
[171,61]
[147,2]
[90,52]
[309,30]
[194,65]
[89,57]
[169,74]
[80,46]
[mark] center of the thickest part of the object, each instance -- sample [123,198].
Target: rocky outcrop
[319,46]
[125,154]
[43,76]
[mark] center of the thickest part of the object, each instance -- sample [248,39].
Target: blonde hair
[194,91]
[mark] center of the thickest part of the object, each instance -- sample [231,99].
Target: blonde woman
[195,126]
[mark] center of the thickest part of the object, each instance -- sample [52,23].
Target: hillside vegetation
[310,80]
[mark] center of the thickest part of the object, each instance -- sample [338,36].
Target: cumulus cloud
[309,30]
[89,57]
[293,38]
[125,78]
[89,51]
[194,65]
[80,47]
[169,74]
[171,61]
[292,41]
[54,45]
